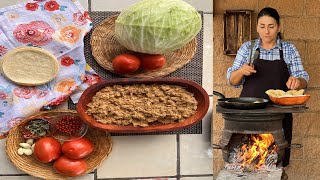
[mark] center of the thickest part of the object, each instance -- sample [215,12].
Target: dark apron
[270,75]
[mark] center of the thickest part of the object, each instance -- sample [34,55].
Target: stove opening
[252,152]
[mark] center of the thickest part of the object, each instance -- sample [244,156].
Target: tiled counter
[167,157]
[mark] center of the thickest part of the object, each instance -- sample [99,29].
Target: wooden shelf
[237,29]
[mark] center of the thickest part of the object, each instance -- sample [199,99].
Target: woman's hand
[296,83]
[246,70]
[237,76]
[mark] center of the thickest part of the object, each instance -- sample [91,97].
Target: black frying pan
[241,102]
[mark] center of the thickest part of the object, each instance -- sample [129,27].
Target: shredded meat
[142,104]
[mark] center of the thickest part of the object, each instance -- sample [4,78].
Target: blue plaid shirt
[290,54]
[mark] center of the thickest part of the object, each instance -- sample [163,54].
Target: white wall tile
[195,155]
[4,3]
[6,166]
[159,179]
[118,5]
[207,74]
[196,150]
[84,4]
[141,156]
[197,178]
[202,5]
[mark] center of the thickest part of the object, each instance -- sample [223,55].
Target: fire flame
[259,148]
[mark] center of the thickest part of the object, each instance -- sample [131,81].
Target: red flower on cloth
[25,92]
[3,50]
[67,61]
[51,6]
[3,95]
[86,15]
[38,33]
[91,79]
[81,19]
[32,6]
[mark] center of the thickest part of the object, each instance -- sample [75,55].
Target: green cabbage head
[157,26]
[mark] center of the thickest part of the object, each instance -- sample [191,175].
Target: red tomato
[125,63]
[77,148]
[152,61]
[47,149]
[70,167]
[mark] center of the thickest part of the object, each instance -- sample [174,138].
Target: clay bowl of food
[291,97]
[141,105]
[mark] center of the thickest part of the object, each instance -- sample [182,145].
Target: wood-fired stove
[257,121]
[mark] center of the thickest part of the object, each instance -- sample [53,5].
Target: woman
[278,65]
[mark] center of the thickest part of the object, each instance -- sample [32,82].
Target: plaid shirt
[290,54]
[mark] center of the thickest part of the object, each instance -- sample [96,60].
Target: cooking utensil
[241,102]
[255,57]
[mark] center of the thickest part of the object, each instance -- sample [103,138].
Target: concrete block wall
[300,21]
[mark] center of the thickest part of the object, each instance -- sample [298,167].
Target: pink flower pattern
[91,79]
[41,94]
[25,92]
[38,33]
[3,95]
[3,50]
[57,101]
[81,19]
[57,27]
[12,122]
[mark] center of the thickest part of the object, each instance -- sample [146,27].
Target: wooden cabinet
[237,29]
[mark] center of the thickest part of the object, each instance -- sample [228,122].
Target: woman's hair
[268,11]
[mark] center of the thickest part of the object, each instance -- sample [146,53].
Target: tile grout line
[178,157]
[89,5]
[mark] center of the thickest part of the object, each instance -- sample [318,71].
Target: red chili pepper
[69,124]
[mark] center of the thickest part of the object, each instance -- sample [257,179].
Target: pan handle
[219,94]
[299,146]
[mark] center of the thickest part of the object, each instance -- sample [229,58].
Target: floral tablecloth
[59,27]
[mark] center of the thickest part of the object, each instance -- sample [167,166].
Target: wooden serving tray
[199,93]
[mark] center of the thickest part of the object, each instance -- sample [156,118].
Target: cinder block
[218,164]
[301,28]
[218,123]
[311,167]
[217,153]
[284,7]
[296,170]
[230,91]
[313,102]
[312,120]
[311,144]
[302,122]
[218,31]
[313,7]
[313,54]
[216,137]
[296,153]
[314,73]
[220,72]
[221,5]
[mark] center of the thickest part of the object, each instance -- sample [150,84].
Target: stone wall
[300,20]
